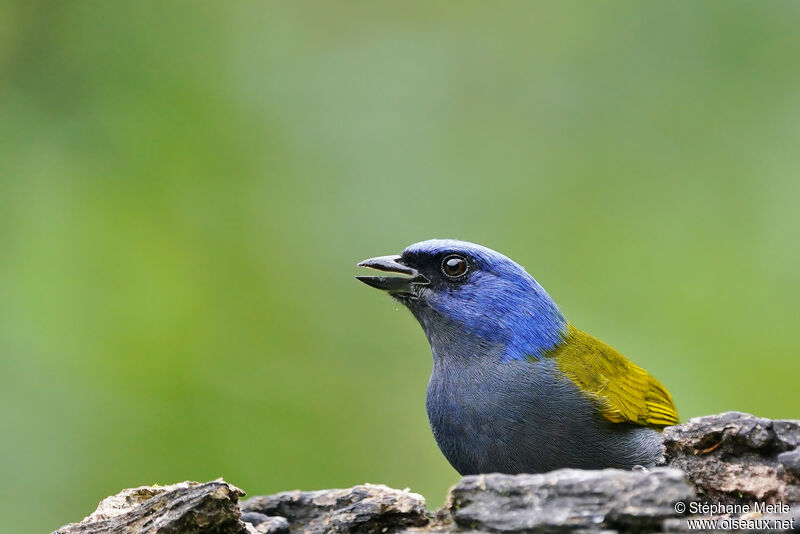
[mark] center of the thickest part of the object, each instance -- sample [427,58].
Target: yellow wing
[623,391]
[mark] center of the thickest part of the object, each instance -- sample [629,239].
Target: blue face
[484,294]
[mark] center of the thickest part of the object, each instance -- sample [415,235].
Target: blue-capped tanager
[515,387]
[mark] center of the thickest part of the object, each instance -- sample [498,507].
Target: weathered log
[747,466]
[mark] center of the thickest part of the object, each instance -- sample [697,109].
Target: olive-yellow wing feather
[623,391]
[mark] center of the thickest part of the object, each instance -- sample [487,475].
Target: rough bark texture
[736,457]
[731,458]
[568,499]
[363,509]
[187,507]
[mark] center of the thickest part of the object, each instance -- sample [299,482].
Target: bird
[515,387]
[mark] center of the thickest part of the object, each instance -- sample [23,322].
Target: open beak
[408,284]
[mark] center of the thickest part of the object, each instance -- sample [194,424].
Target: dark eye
[454,266]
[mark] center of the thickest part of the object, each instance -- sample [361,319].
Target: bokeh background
[185,189]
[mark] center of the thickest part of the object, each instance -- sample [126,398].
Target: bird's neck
[516,334]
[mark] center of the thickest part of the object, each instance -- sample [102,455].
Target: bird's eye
[454,266]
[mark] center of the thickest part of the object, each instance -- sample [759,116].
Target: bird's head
[456,288]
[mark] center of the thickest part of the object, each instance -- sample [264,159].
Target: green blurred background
[185,189]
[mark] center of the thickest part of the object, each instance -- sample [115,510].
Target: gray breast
[524,417]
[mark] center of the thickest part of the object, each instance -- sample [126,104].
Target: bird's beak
[409,284]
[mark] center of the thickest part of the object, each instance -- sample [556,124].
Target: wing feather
[623,391]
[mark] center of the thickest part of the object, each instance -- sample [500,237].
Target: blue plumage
[503,395]
[502,303]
